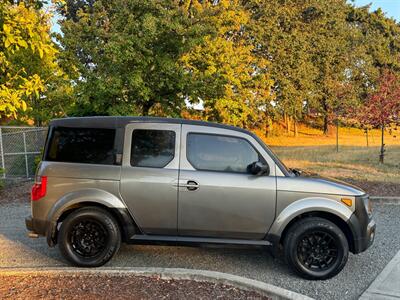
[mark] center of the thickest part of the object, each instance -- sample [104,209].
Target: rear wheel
[316,248]
[89,237]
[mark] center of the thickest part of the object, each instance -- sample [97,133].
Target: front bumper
[366,240]
[362,227]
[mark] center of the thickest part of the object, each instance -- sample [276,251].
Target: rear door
[149,175]
[217,196]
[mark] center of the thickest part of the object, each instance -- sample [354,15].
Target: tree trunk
[296,131]
[366,135]
[268,127]
[337,135]
[326,125]
[287,123]
[146,108]
[382,154]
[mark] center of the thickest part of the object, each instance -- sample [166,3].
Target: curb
[385,285]
[265,289]
[385,200]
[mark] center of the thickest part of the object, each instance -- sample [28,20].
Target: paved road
[16,250]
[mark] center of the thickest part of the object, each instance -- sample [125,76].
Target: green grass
[359,163]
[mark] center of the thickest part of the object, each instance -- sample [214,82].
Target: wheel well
[331,217]
[127,230]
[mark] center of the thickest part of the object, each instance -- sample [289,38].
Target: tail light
[39,188]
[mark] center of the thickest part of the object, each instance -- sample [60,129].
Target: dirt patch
[376,188]
[115,287]
[16,192]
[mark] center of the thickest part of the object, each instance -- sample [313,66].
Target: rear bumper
[36,226]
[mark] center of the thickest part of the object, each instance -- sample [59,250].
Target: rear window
[152,148]
[81,145]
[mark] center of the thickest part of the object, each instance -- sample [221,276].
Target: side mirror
[258,168]
[297,172]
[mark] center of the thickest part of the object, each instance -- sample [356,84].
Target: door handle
[191,185]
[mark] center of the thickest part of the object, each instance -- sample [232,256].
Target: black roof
[121,121]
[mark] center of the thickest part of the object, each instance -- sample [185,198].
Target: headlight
[368,205]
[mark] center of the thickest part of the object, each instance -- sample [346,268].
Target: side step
[156,239]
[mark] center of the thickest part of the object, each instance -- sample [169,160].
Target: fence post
[26,156]
[2,153]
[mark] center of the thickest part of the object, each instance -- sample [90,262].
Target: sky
[390,7]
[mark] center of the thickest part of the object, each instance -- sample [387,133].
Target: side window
[220,153]
[81,145]
[152,148]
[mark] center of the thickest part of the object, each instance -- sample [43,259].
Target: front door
[217,196]
[149,175]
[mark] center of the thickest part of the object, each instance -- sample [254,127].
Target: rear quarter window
[81,145]
[152,148]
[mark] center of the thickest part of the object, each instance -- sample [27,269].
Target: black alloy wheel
[89,237]
[316,248]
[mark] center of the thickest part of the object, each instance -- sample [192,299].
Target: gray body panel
[150,193]
[69,183]
[226,205]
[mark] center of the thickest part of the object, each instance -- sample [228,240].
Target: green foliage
[320,60]
[126,55]
[283,34]
[1,178]
[223,70]
[249,62]
[36,162]
[28,62]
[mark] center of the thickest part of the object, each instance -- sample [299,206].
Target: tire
[315,248]
[89,237]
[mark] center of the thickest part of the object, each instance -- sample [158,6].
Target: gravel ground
[18,192]
[115,287]
[16,250]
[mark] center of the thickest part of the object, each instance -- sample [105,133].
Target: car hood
[311,183]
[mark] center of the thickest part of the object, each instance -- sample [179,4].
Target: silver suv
[107,180]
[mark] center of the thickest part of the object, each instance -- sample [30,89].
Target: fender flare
[307,205]
[89,195]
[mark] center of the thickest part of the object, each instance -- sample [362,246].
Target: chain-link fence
[20,149]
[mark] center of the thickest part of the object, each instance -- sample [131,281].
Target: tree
[316,56]
[339,57]
[383,106]
[126,55]
[223,70]
[281,32]
[380,47]
[28,62]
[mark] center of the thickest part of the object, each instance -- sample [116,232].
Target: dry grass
[314,152]
[347,137]
[359,163]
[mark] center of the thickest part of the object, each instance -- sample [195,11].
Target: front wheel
[89,237]
[315,248]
